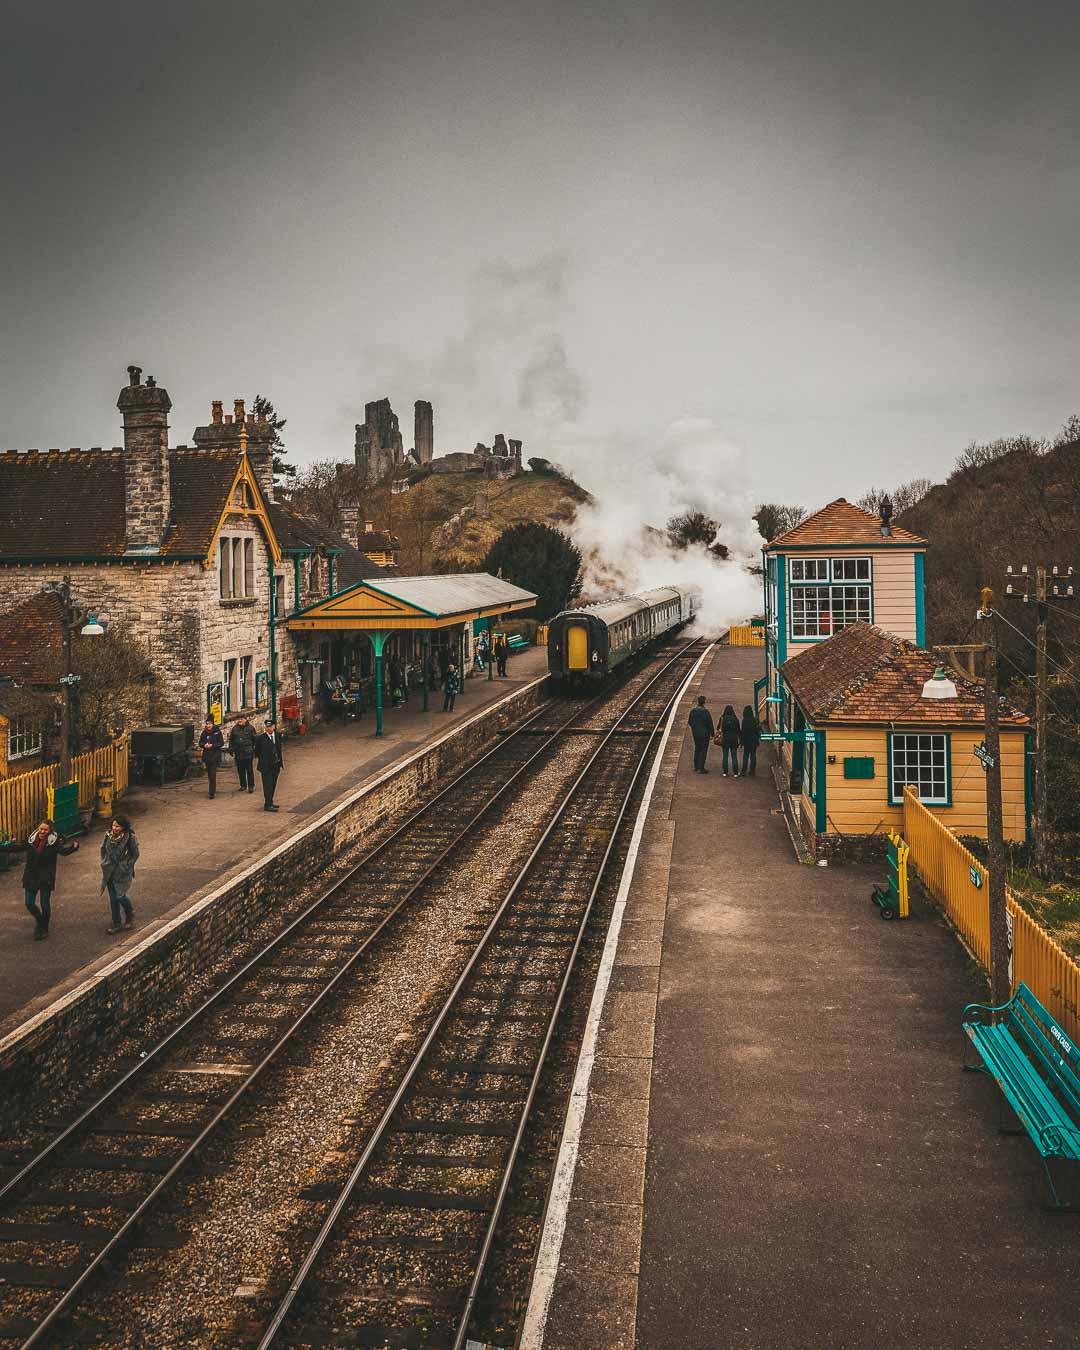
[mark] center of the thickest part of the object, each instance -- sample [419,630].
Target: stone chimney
[424,432]
[240,430]
[349,511]
[147,504]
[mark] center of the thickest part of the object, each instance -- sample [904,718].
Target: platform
[189,844]
[778,1146]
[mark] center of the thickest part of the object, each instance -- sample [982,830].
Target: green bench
[1035,1064]
[516,643]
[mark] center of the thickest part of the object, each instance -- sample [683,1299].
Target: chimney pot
[151,383]
[134,374]
[250,419]
[228,419]
[215,412]
[238,409]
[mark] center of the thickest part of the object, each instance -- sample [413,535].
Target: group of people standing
[731,735]
[119,854]
[250,750]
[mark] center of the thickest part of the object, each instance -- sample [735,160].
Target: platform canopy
[390,604]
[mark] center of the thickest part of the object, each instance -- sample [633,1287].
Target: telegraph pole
[995,837]
[1062,590]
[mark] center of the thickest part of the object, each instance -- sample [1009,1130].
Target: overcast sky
[847,235]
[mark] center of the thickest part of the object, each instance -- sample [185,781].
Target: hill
[444,520]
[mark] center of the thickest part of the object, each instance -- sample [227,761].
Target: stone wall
[841,848]
[74,1035]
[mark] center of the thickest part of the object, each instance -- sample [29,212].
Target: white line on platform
[551,1240]
[8,1043]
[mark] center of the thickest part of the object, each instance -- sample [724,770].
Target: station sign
[976,877]
[985,758]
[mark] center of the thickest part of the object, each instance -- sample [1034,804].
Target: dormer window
[827,594]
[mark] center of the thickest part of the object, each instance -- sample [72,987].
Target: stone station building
[183,546]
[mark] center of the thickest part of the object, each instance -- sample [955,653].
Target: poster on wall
[213,702]
[262,688]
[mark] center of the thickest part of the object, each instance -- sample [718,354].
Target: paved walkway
[189,843]
[811,1168]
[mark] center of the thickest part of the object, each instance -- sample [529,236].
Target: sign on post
[976,877]
[985,758]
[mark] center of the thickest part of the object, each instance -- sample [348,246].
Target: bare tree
[903,497]
[773,520]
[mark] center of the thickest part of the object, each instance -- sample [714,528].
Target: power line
[1069,717]
[1065,670]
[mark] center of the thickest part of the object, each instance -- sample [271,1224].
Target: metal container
[163,741]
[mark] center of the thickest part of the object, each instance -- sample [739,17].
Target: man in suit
[270,761]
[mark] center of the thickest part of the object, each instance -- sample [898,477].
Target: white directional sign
[985,758]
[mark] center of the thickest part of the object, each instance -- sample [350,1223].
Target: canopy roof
[390,603]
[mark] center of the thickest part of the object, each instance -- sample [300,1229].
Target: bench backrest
[1048,1045]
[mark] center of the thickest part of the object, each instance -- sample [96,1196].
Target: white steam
[638,486]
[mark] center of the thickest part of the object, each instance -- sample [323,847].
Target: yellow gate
[577,647]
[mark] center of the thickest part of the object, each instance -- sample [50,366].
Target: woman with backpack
[729,740]
[119,854]
[39,873]
[750,735]
[451,688]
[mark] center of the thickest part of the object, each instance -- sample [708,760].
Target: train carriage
[588,643]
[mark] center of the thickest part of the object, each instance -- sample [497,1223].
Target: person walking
[701,728]
[39,873]
[501,652]
[750,735]
[729,740]
[270,761]
[451,688]
[242,745]
[211,743]
[119,854]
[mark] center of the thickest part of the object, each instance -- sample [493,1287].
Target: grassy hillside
[447,517]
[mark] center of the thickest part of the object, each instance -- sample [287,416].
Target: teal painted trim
[821,817]
[920,605]
[781,608]
[272,626]
[1029,783]
[377,641]
[296,581]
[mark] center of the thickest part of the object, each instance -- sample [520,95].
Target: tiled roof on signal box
[865,674]
[840,524]
[32,640]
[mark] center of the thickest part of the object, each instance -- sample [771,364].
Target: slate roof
[32,640]
[295,531]
[865,674]
[458,594]
[841,523]
[70,504]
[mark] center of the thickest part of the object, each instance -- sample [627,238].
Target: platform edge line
[534,1325]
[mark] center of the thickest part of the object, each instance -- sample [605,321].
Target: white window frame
[246,682]
[24,737]
[230,673]
[921,755]
[249,567]
[225,567]
[828,594]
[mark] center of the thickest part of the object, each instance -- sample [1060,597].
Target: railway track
[402,1254]
[73,1207]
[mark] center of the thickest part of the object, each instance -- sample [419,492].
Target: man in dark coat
[39,873]
[242,744]
[270,761]
[211,743]
[701,728]
[750,735]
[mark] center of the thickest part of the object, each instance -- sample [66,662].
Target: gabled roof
[865,674]
[70,504]
[392,602]
[297,532]
[840,523]
[32,640]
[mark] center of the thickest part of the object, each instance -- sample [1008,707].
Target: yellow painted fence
[744,635]
[947,870]
[23,798]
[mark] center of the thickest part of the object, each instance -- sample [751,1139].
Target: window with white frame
[921,759]
[24,737]
[828,594]
[230,690]
[249,566]
[236,567]
[225,568]
[247,687]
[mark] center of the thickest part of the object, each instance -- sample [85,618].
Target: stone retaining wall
[74,1034]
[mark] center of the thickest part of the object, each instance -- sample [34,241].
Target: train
[587,644]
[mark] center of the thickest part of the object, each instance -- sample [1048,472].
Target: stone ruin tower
[378,441]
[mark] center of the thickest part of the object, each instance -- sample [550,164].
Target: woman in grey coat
[119,853]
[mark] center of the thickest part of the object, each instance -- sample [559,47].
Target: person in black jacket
[39,873]
[701,728]
[242,745]
[211,743]
[269,760]
[750,735]
[729,739]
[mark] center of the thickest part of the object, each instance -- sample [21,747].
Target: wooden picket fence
[948,871]
[23,798]
[745,635]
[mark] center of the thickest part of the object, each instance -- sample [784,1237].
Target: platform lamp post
[91,628]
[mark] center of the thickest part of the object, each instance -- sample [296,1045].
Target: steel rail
[380,1130]
[64,1304]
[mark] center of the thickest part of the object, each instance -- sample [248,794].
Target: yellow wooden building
[866,714]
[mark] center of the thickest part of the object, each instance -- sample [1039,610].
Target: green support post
[425,658]
[296,583]
[377,640]
[273,646]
